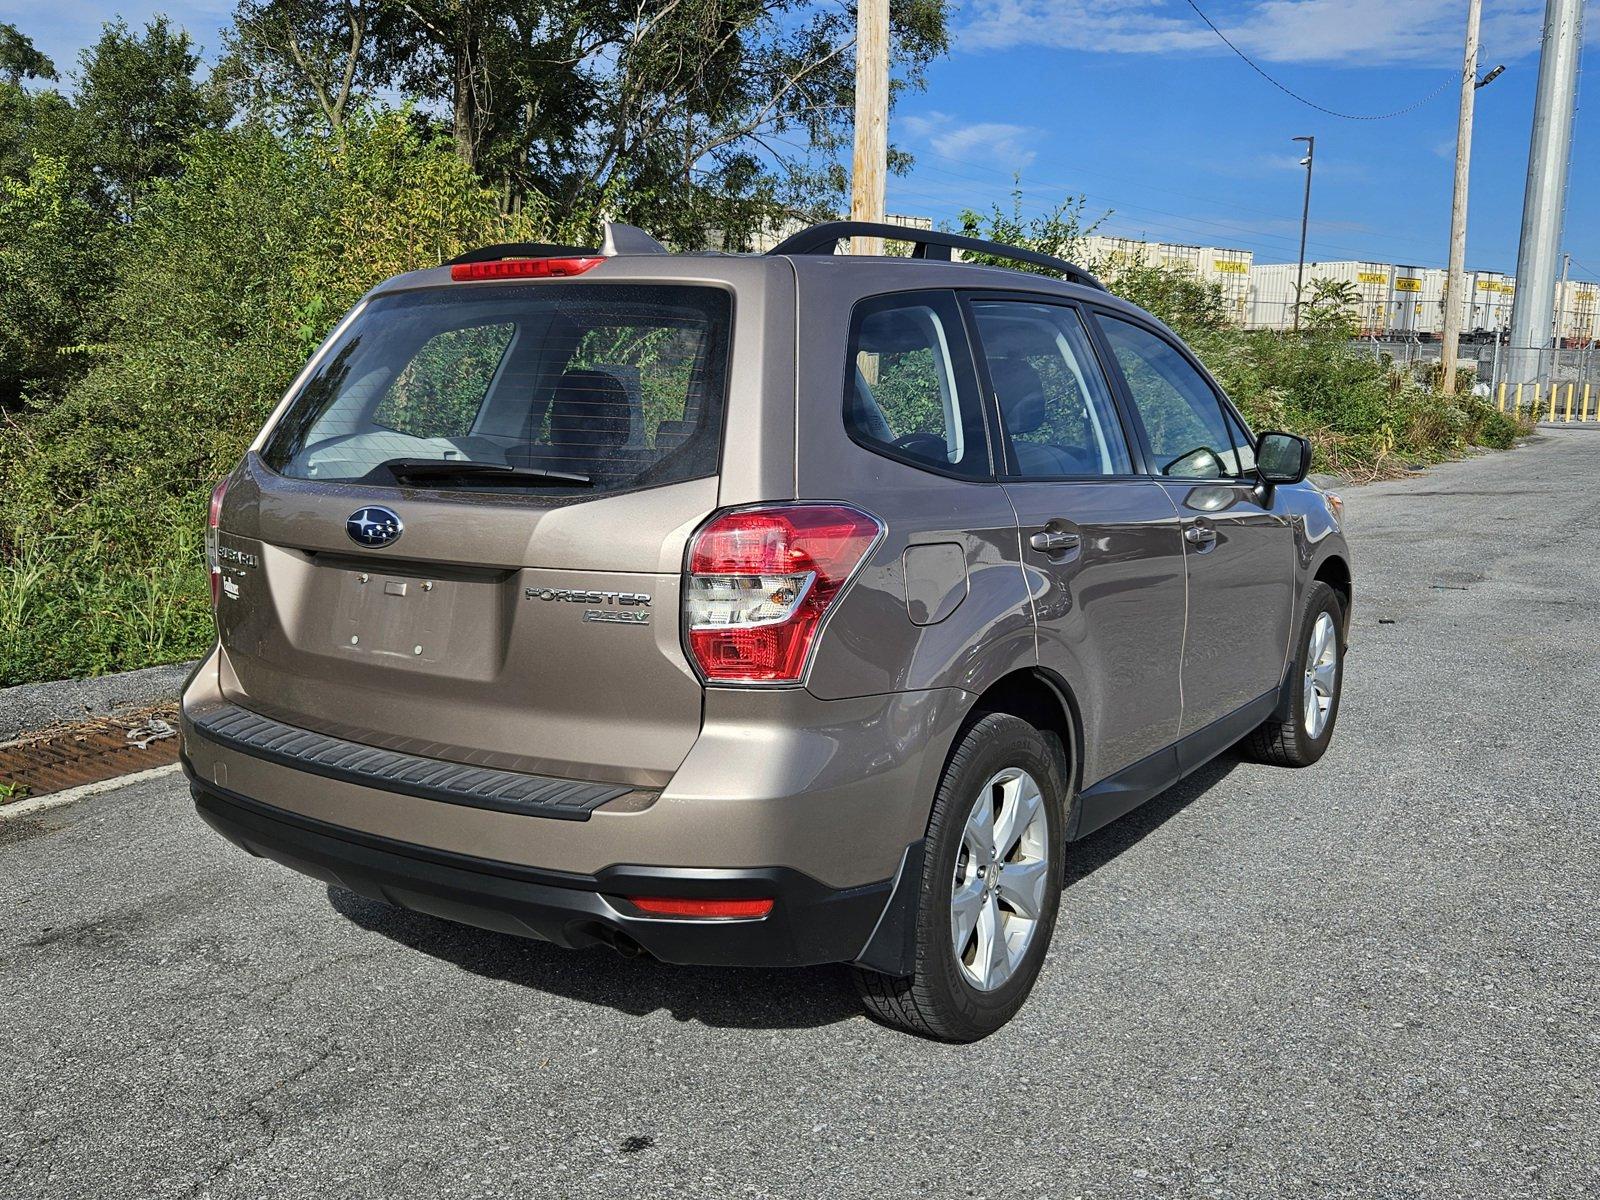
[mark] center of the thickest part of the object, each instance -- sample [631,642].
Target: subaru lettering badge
[374,526]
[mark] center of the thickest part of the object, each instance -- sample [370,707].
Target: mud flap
[892,948]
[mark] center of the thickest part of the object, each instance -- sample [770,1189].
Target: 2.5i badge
[616,616]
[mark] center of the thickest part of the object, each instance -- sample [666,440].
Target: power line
[1236,229]
[1583,269]
[1343,116]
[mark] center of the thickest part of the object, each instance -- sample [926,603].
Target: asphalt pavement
[1377,977]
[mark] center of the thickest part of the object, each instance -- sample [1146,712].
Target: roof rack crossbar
[926,243]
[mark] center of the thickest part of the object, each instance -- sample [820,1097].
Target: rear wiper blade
[424,469]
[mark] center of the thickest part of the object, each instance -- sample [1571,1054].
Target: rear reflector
[524,268]
[673,906]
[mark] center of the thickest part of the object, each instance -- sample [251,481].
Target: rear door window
[910,391]
[552,388]
[1055,406]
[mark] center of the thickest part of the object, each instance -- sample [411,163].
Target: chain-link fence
[1558,383]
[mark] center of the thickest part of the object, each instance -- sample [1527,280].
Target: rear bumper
[831,789]
[810,923]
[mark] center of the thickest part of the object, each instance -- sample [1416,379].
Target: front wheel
[1298,732]
[990,890]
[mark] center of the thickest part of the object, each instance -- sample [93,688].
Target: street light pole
[1544,202]
[1457,283]
[1305,222]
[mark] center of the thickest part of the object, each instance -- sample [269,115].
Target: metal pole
[1305,222]
[872,119]
[1458,203]
[1561,298]
[1544,201]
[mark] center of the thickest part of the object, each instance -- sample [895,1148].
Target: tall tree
[139,102]
[302,61]
[702,118]
[19,60]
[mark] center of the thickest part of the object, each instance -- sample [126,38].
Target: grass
[76,607]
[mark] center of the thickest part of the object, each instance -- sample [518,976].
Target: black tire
[938,1000]
[1283,739]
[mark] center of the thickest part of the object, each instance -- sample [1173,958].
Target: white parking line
[38,804]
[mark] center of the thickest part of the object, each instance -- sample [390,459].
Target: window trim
[958,340]
[1224,405]
[1008,470]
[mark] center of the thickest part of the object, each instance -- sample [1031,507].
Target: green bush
[230,274]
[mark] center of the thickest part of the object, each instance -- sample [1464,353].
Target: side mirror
[1282,458]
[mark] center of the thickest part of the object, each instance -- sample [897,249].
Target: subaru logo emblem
[374,526]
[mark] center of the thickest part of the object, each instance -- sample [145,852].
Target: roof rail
[926,243]
[619,239]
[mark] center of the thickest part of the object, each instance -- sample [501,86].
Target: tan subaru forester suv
[776,609]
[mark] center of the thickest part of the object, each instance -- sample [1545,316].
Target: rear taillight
[524,268]
[213,522]
[760,581]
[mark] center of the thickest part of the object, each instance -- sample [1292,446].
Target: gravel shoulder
[33,706]
[1377,977]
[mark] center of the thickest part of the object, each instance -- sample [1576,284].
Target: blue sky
[1136,104]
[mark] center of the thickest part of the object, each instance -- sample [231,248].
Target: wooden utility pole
[1455,298]
[872,119]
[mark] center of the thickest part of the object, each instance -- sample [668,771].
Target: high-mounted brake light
[673,906]
[760,581]
[213,523]
[525,268]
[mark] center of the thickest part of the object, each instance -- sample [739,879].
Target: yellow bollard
[1568,417]
[1552,413]
[1586,402]
[1503,395]
[1519,398]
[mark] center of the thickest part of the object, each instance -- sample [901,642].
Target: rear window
[566,389]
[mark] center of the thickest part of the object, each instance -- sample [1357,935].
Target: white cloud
[1357,33]
[990,142]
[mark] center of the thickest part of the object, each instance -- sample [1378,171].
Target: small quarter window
[441,390]
[909,387]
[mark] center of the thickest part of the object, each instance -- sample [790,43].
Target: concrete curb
[34,805]
[31,706]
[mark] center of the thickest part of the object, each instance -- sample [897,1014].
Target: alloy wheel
[1322,675]
[998,892]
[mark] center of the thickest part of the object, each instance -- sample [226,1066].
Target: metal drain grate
[54,761]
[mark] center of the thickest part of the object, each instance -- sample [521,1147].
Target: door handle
[1053,541]
[1199,535]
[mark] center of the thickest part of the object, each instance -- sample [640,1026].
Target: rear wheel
[990,890]
[1298,732]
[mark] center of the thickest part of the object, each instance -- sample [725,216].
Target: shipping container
[1493,293]
[1578,314]
[1227,268]
[1368,284]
